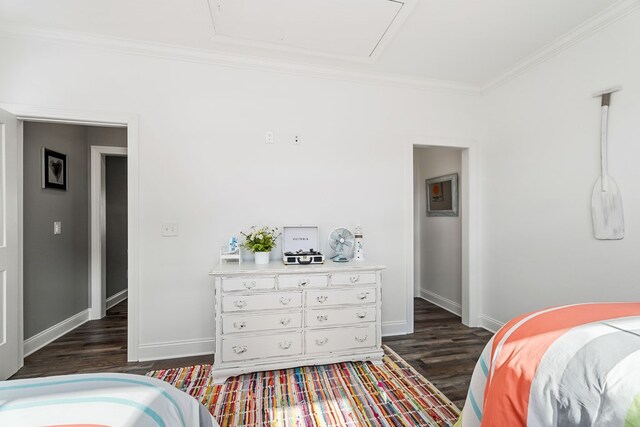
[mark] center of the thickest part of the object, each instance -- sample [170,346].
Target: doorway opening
[59,246]
[438,226]
[467,275]
[109,268]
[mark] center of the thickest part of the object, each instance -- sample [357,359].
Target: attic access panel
[339,27]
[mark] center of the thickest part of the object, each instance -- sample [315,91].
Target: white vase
[262,258]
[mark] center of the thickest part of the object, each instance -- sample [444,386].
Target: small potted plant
[260,241]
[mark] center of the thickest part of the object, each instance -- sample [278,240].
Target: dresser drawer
[268,301]
[340,316]
[321,298]
[260,322]
[339,339]
[303,282]
[354,278]
[259,347]
[248,283]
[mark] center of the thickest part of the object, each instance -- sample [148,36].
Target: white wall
[438,259]
[539,161]
[204,164]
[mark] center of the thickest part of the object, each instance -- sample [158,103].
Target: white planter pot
[262,258]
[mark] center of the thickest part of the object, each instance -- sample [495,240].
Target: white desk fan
[341,242]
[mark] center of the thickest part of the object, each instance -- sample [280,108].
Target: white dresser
[276,316]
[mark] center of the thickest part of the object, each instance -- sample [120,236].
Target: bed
[98,400]
[575,365]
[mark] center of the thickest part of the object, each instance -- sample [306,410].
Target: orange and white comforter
[576,365]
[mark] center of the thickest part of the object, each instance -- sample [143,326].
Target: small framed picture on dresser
[54,170]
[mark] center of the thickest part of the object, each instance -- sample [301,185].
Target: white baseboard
[174,349]
[490,324]
[43,338]
[117,298]
[442,302]
[389,329]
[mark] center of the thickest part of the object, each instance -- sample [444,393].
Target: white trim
[175,349]
[442,302]
[130,121]
[98,253]
[187,54]
[579,33]
[490,324]
[20,171]
[116,299]
[469,212]
[398,327]
[47,336]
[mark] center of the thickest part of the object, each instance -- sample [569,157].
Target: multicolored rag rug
[343,394]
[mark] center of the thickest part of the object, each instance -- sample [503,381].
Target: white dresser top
[277,267]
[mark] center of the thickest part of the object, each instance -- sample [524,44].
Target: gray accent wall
[56,267]
[116,224]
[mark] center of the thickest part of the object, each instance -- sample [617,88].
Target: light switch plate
[169,229]
[57,227]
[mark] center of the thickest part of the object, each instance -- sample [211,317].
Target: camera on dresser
[283,316]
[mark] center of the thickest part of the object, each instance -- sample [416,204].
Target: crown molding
[586,29]
[203,56]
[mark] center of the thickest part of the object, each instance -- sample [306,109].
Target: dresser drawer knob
[363,295]
[303,282]
[240,304]
[249,285]
[322,341]
[285,321]
[285,300]
[285,345]
[354,279]
[239,325]
[361,339]
[361,315]
[239,349]
[323,318]
[321,298]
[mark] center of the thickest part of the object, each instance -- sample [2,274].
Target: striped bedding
[575,365]
[98,400]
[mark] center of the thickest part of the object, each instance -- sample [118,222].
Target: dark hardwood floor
[96,346]
[442,349]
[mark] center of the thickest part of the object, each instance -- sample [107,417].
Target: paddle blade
[606,210]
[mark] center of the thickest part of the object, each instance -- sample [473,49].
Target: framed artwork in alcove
[442,195]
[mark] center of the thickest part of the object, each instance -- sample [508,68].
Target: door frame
[91,118]
[98,220]
[469,211]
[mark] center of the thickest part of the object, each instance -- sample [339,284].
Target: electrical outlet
[297,140]
[170,229]
[268,137]
[57,227]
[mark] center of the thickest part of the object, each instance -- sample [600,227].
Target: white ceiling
[352,28]
[463,41]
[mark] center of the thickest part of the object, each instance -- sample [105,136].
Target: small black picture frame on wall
[442,195]
[54,170]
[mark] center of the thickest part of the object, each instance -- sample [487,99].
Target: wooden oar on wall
[606,201]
